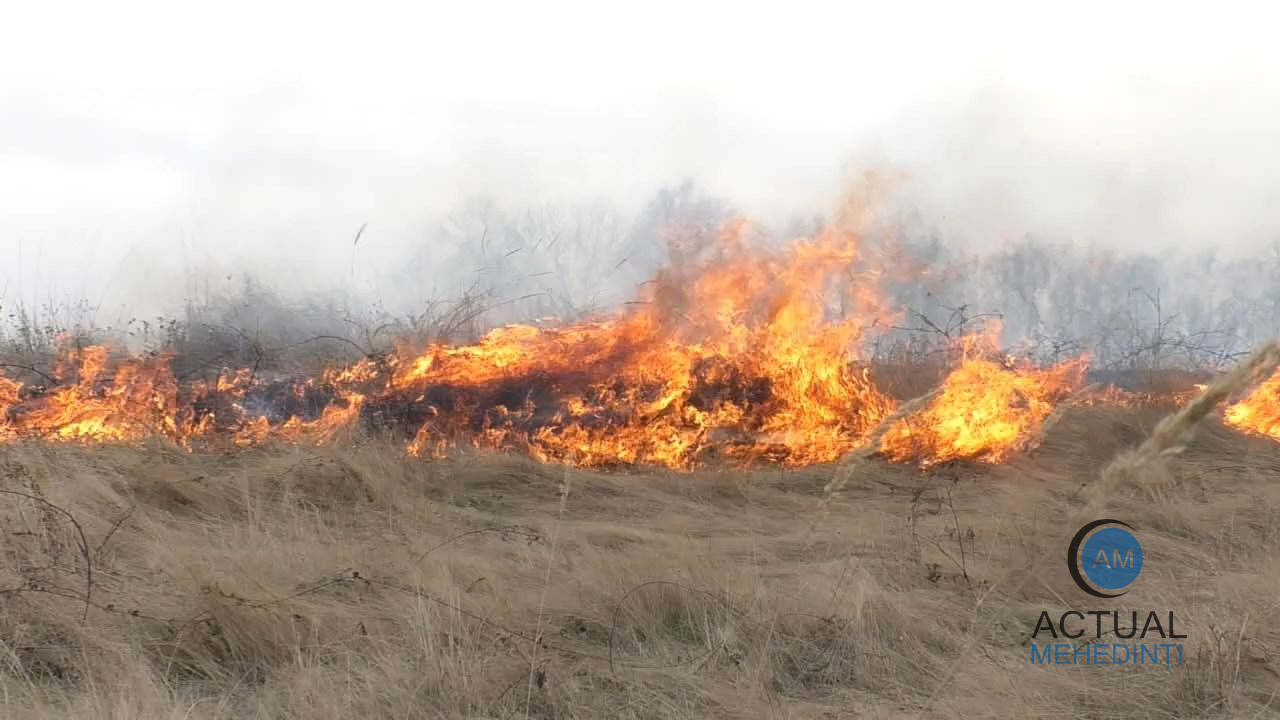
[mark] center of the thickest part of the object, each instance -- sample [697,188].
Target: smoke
[142,165]
[1138,167]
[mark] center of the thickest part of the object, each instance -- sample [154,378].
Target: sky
[144,143]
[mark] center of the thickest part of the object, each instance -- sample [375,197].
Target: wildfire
[140,400]
[731,355]
[735,357]
[984,410]
[1259,413]
[10,394]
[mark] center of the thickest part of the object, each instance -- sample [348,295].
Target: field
[749,493]
[352,581]
[562,361]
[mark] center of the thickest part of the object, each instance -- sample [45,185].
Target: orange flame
[731,356]
[139,401]
[985,409]
[142,399]
[10,394]
[1259,412]
[736,356]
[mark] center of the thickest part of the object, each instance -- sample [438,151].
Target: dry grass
[348,582]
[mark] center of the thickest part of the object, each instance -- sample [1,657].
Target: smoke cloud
[148,156]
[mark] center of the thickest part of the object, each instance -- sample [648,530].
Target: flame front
[139,401]
[1259,412]
[984,410]
[730,356]
[10,395]
[735,357]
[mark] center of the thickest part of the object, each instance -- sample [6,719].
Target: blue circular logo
[1110,558]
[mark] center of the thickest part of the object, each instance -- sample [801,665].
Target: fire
[736,357]
[10,394]
[139,401]
[985,409]
[1259,413]
[731,355]
[141,398]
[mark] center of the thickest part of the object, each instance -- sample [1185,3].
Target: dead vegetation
[350,581]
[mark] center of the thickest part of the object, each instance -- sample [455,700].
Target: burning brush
[985,409]
[1259,412]
[733,357]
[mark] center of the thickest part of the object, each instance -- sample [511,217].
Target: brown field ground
[350,581]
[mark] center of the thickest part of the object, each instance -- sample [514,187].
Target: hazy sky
[139,139]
